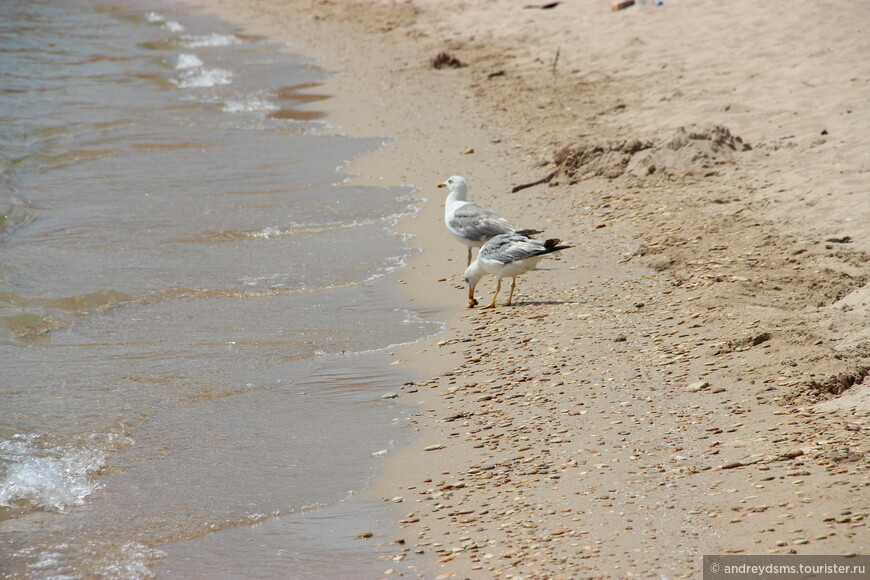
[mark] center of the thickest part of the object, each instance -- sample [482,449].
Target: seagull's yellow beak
[440,185]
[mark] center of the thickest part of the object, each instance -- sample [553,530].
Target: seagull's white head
[457,186]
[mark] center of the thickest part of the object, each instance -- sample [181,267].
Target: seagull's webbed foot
[491,304]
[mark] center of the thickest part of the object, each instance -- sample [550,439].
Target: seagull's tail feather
[552,245]
[528,233]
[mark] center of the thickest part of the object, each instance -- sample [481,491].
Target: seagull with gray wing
[507,255]
[471,223]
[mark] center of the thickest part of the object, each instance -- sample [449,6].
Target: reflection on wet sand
[293,93]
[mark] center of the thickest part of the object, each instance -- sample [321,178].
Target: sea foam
[203,77]
[213,39]
[157,18]
[186,61]
[36,473]
[249,105]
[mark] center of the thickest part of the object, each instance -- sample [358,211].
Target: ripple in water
[214,39]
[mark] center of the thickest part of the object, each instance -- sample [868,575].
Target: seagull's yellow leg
[511,297]
[469,257]
[497,288]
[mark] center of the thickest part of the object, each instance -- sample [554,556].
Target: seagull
[507,255]
[471,223]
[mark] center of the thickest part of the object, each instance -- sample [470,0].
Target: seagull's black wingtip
[552,245]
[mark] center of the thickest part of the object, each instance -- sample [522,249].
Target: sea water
[196,308]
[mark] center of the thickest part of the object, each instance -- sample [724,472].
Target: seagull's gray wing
[476,223]
[512,248]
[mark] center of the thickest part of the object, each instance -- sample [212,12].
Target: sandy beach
[691,377]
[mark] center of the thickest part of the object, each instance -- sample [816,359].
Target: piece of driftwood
[532,184]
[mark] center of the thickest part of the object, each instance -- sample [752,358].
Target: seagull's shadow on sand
[542,302]
[539,303]
[521,303]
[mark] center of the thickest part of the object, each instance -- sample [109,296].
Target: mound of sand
[687,151]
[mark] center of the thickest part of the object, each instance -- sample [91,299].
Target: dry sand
[689,379]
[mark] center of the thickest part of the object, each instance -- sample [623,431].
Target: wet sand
[690,378]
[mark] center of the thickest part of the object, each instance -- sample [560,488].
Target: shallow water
[196,310]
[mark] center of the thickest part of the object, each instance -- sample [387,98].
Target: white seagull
[507,255]
[471,223]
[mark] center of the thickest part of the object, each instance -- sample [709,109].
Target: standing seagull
[507,255]
[471,223]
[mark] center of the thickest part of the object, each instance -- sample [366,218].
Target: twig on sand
[538,182]
[556,60]
[547,6]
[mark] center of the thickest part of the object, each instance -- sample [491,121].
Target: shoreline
[668,388]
